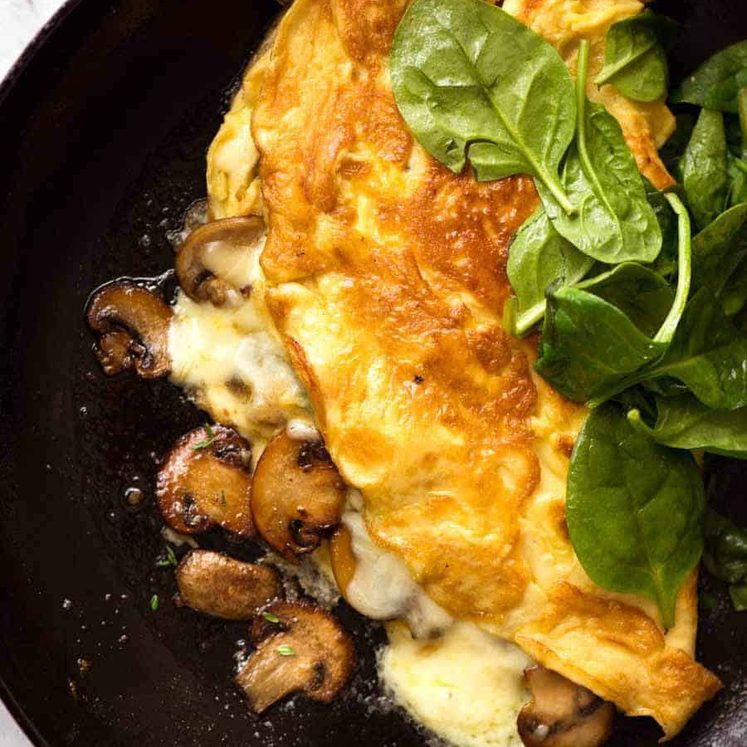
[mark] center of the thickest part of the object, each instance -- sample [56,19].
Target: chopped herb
[169,560]
[207,442]
[286,650]
[271,618]
[154,602]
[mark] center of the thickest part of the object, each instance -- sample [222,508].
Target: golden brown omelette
[386,277]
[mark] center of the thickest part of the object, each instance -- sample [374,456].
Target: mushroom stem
[300,648]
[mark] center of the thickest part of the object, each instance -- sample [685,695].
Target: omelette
[375,312]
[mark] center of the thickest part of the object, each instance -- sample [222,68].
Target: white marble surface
[20,20]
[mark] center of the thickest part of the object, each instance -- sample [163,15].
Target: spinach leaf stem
[684,271]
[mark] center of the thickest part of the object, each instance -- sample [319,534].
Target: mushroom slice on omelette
[385,276]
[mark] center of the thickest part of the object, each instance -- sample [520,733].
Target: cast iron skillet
[105,124]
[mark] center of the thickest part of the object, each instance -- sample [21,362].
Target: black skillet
[103,131]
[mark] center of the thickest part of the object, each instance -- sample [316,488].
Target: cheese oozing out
[454,678]
[230,359]
[466,686]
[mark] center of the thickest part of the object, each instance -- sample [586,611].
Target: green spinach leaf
[538,257]
[635,62]
[643,295]
[720,249]
[716,83]
[683,422]
[634,510]
[703,168]
[475,84]
[708,354]
[614,222]
[588,345]
[725,556]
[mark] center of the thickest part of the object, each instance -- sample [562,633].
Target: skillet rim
[54,27]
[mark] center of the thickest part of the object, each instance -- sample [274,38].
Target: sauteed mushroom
[562,713]
[297,494]
[131,325]
[300,648]
[199,282]
[205,480]
[217,585]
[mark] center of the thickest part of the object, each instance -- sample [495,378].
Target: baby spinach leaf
[716,83]
[719,249]
[634,510]
[588,345]
[683,422]
[475,84]
[539,256]
[643,295]
[708,354]
[614,221]
[635,62]
[736,170]
[703,168]
[725,556]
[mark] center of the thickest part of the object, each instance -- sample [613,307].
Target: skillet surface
[104,128]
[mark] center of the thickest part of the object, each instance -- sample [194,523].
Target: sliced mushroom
[234,235]
[206,480]
[297,495]
[131,324]
[217,585]
[300,648]
[562,713]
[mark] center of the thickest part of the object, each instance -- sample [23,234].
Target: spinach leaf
[703,168]
[614,221]
[643,295]
[683,422]
[716,83]
[475,84]
[720,249]
[725,556]
[634,510]
[736,170]
[588,345]
[708,354]
[538,257]
[635,62]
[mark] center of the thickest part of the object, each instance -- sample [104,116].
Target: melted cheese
[383,589]
[229,358]
[466,686]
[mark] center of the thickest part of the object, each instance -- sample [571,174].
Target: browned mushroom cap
[220,586]
[300,648]
[297,494]
[234,234]
[562,713]
[205,480]
[132,326]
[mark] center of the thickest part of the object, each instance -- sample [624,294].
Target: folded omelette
[386,278]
